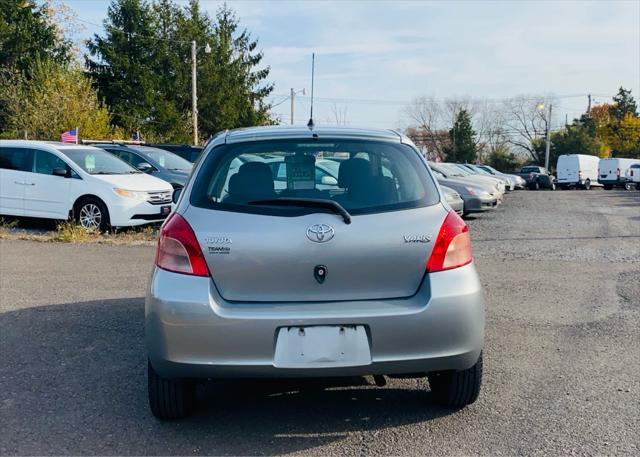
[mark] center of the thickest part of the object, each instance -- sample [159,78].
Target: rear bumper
[190,331]
[620,182]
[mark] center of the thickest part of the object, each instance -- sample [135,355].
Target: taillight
[579,172]
[178,248]
[452,248]
[617,172]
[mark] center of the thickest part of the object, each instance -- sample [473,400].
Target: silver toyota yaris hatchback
[297,252]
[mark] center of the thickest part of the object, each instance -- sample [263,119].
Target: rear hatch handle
[307,203]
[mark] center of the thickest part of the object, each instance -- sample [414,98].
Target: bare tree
[526,120]
[339,114]
[426,118]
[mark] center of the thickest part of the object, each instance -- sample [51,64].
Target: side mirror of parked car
[329,181]
[176,195]
[60,172]
[145,167]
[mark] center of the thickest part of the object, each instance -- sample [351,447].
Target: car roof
[291,132]
[51,145]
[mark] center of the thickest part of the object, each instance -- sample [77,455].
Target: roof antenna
[313,62]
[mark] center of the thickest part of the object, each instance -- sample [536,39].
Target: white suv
[59,181]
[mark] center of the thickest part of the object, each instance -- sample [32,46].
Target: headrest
[352,169]
[252,182]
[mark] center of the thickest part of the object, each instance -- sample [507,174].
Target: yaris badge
[320,233]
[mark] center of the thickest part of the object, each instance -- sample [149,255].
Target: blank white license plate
[322,347]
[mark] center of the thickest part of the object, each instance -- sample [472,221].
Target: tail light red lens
[452,248]
[178,249]
[617,172]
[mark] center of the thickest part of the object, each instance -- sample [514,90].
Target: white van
[633,174]
[613,172]
[59,181]
[577,170]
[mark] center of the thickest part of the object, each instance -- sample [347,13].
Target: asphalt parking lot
[561,272]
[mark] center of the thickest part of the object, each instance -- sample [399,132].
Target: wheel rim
[90,216]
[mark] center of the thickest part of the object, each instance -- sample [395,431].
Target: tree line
[134,76]
[511,132]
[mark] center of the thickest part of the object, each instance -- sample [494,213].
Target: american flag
[70,136]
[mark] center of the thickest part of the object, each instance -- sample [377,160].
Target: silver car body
[235,322]
[451,172]
[475,199]
[454,199]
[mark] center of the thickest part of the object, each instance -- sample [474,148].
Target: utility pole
[548,146]
[194,92]
[293,103]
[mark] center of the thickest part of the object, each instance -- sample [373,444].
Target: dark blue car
[154,161]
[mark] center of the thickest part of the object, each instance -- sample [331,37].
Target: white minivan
[577,170]
[60,181]
[613,172]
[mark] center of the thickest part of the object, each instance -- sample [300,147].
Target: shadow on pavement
[73,381]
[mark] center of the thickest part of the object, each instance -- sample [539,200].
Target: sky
[374,57]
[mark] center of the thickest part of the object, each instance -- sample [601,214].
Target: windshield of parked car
[98,162]
[363,177]
[165,159]
[530,170]
[478,169]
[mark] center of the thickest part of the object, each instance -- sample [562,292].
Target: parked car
[612,172]
[371,277]
[498,182]
[633,174]
[509,184]
[520,183]
[476,199]
[157,162]
[577,170]
[453,200]
[59,181]
[537,177]
[187,152]
[452,171]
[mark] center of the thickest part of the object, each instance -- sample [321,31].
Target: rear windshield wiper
[308,203]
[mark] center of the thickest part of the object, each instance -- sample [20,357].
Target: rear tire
[553,186]
[170,398]
[628,186]
[587,184]
[457,388]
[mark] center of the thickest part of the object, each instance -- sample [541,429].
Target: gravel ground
[562,376]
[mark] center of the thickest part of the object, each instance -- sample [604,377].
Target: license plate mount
[322,347]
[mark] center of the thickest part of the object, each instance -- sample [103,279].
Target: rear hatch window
[271,253]
[364,177]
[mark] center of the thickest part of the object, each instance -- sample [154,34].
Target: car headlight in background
[136,195]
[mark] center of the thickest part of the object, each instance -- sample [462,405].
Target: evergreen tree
[123,63]
[623,104]
[142,67]
[462,147]
[28,34]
